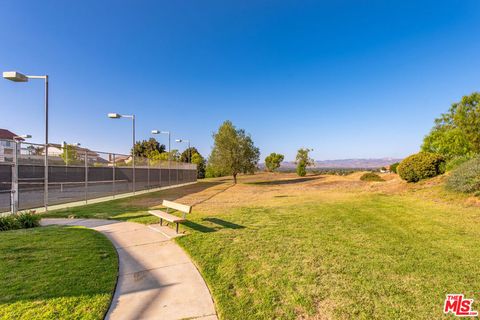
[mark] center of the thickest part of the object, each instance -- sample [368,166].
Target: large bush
[466,178]
[421,166]
[370,176]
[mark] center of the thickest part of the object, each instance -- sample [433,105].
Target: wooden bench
[165,215]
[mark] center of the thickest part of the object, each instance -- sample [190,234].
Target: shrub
[28,220]
[466,178]
[394,166]
[421,166]
[455,162]
[23,220]
[9,222]
[370,176]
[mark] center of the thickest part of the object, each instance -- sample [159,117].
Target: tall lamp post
[169,155]
[19,77]
[189,150]
[132,116]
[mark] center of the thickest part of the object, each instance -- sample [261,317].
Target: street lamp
[167,133]
[169,154]
[132,116]
[22,137]
[189,150]
[19,77]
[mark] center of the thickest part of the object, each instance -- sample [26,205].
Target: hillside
[343,163]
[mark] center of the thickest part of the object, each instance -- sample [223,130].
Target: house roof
[9,135]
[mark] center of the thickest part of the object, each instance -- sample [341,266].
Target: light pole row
[114,115]
[19,77]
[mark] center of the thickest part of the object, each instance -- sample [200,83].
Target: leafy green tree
[187,153]
[456,133]
[273,161]
[144,148]
[303,161]
[233,152]
[200,162]
[69,154]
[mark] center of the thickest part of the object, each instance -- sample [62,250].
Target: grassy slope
[56,273]
[325,254]
[372,257]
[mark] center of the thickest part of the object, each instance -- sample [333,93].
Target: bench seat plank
[166,216]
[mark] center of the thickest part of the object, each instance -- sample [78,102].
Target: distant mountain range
[344,163]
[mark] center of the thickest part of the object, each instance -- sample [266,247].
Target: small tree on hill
[233,151]
[273,161]
[303,161]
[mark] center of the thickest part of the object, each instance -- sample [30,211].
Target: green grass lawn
[375,257]
[56,273]
[363,255]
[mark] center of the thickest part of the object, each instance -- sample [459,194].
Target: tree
[233,151]
[187,154]
[200,162]
[36,151]
[69,154]
[273,161]
[173,155]
[456,133]
[145,147]
[303,161]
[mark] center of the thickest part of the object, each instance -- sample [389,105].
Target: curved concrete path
[156,280]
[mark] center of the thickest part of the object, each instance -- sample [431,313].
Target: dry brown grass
[277,189]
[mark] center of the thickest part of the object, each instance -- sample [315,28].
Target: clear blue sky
[347,78]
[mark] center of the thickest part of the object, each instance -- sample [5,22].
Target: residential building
[7,145]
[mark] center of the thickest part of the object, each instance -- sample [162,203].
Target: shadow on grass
[224,224]
[220,224]
[283,182]
[198,227]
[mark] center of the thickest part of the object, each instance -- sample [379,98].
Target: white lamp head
[15,76]
[114,115]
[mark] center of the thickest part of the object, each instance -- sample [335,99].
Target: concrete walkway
[157,280]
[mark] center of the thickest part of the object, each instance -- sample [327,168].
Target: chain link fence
[78,174]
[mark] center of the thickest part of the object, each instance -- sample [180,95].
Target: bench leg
[161,221]
[177,227]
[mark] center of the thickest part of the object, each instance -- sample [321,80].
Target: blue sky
[350,79]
